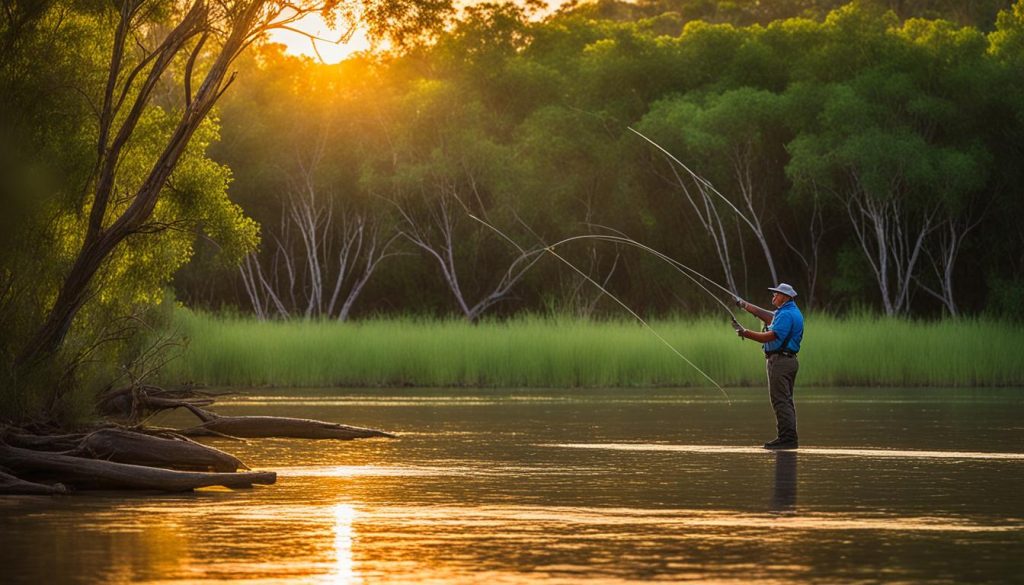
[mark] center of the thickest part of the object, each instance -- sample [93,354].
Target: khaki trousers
[781,379]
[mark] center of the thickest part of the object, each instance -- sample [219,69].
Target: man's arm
[780,330]
[758,336]
[756,311]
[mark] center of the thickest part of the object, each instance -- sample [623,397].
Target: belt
[791,354]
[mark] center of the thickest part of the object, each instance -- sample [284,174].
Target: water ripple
[838,452]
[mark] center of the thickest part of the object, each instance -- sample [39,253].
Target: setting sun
[329,51]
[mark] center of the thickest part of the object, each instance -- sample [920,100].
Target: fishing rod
[550,250]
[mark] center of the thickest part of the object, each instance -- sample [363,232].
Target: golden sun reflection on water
[344,535]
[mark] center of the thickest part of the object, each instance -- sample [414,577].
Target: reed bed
[536,351]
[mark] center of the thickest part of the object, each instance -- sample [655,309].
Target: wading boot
[780,444]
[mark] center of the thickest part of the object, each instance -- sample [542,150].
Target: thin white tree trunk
[890,240]
[313,271]
[440,221]
[943,260]
[743,161]
[711,221]
[810,255]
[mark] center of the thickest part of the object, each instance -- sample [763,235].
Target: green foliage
[879,128]
[525,118]
[710,130]
[1007,41]
[53,137]
[1006,298]
[852,276]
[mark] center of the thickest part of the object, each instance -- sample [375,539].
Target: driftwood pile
[132,456]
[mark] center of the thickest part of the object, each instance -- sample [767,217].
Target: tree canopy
[857,151]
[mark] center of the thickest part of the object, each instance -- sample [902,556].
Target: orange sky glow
[298,44]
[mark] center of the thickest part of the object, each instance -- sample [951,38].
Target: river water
[614,486]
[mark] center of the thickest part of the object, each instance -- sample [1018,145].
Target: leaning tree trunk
[99,241]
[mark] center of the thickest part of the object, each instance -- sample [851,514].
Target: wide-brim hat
[784,289]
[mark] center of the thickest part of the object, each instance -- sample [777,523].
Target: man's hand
[739,302]
[738,328]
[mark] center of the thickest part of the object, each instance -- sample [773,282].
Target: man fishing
[781,342]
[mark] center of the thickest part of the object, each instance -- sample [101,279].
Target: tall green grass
[562,352]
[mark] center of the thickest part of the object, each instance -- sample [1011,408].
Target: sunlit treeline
[868,160]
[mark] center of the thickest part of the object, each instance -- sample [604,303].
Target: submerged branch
[279,426]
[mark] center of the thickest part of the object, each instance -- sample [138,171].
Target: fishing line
[679,266]
[624,239]
[728,292]
[701,181]
[550,250]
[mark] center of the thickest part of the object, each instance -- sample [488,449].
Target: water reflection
[610,488]
[784,494]
[833,452]
[344,533]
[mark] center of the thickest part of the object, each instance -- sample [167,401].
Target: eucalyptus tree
[292,135]
[323,252]
[569,173]
[888,173]
[438,168]
[733,140]
[1004,244]
[53,86]
[167,64]
[954,65]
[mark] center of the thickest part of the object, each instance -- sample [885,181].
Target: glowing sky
[299,44]
[330,52]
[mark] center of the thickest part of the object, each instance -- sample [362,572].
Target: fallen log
[44,442]
[10,484]
[279,426]
[99,474]
[133,402]
[141,449]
